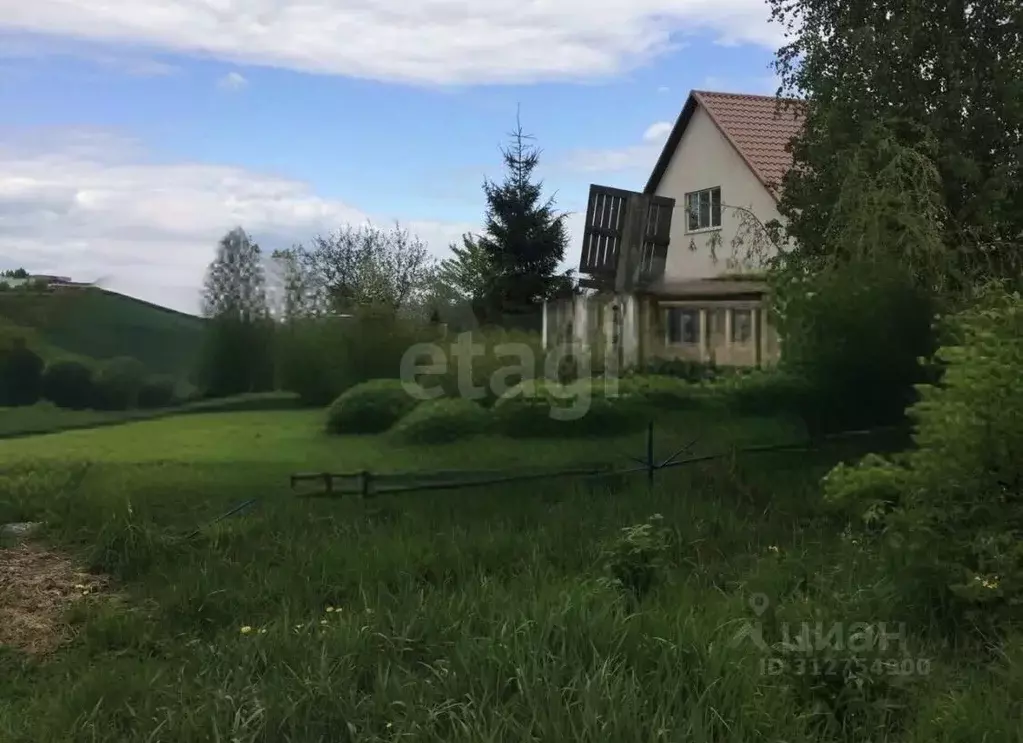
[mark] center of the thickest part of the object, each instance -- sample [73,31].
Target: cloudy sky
[134,133]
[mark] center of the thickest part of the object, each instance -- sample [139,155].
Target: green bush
[68,384]
[492,361]
[855,336]
[157,392]
[665,392]
[688,371]
[370,407]
[441,421]
[760,392]
[320,358]
[956,511]
[21,375]
[118,382]
[582,408]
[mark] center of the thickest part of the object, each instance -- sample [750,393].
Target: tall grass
[468,616]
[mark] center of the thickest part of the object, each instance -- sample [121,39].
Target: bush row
[585,407]
[117,384]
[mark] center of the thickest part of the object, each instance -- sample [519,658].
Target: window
[742,326]
[703,209]
[683,326]
[716,325]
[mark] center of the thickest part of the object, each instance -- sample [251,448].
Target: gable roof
[755,125]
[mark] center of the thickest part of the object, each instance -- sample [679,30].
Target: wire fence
[367,484]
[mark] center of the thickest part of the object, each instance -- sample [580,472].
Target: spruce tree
[524,235]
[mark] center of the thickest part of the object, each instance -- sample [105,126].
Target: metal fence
[367,484]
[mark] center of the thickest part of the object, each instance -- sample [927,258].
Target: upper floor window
[703,209]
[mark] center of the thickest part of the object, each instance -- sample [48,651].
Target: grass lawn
[476,615]
[48,418]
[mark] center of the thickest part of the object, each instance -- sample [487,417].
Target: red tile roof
[755,125]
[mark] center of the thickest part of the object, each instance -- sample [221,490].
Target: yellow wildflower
[246,629]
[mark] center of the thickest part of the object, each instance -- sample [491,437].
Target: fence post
[651,466]
[328,483]
[365,484]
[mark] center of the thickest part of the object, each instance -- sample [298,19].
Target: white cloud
[232,81]
[434,41]
[657,132]
[635,157]
[130,62]
[90,205]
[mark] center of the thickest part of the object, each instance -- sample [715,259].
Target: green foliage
[157,392]
[442,421]
[237,350]
[664,392]
[485,363]
[370,407]
[21,375]
[524,237]
[862,62]
[582,408]
[88,322]
[468,275]
[637,557]
[760,392]
[689,371]
[854,335]
[118,383]
[958,513]
[69,384]
[320,357]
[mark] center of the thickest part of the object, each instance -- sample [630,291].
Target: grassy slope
[101,324]
[469,616]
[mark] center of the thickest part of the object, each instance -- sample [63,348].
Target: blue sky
[135,132]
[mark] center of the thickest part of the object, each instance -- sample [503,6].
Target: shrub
[118,382]
[761,392]
[955,497]
[689,371]
[547,408]
[499,360]
[320,358]
[68,384]
[664,392]
[855,335]
[370,407]
[636,558]
[21,375]
[157,392]
[441,421]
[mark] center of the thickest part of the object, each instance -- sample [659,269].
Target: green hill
[101,324]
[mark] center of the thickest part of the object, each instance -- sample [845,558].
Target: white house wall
[705,159]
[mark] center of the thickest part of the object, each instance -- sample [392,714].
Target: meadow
[550,611]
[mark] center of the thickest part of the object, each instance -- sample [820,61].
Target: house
[696,293]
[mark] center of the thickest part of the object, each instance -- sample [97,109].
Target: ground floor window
[683,325]
[742,326]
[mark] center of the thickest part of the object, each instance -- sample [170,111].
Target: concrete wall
[705,159]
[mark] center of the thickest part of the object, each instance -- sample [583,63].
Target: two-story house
[722,166]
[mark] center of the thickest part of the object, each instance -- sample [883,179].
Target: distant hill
[101,324]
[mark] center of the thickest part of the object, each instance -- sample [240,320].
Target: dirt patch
[37,585]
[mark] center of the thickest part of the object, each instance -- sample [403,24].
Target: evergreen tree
[524,236]
[238,354]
